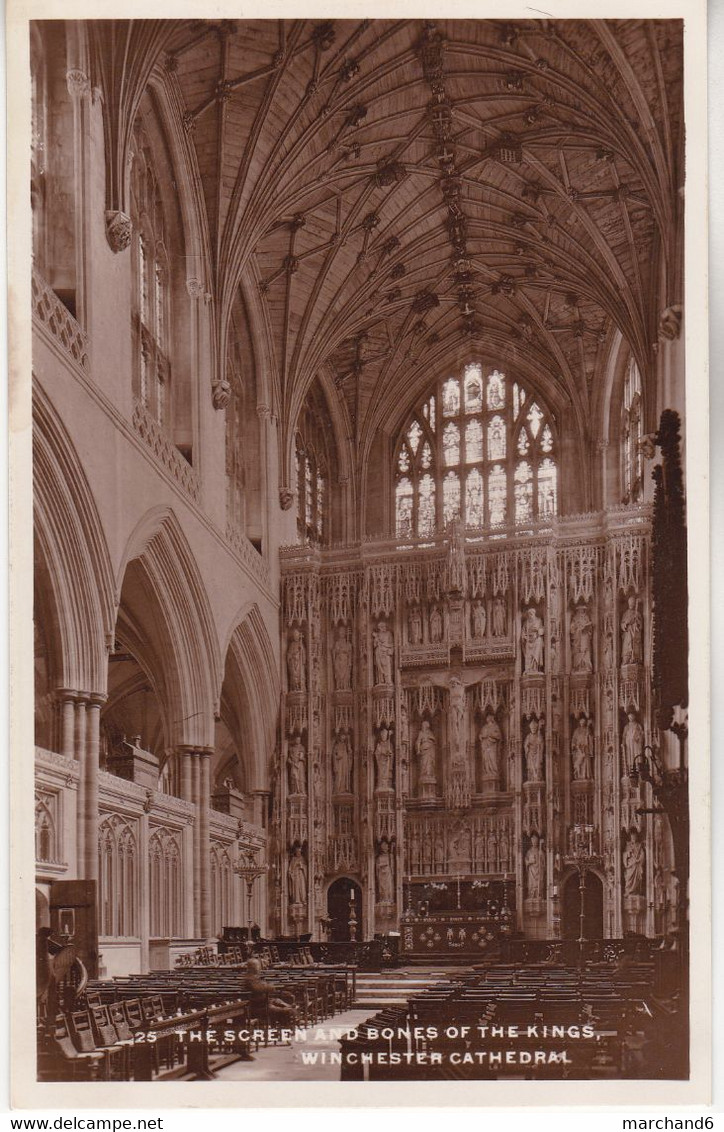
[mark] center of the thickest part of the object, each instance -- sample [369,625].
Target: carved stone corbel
[78,83]
[118,230]
[221,394]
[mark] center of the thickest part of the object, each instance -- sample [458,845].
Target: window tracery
[165,858]
[150,303]
[479,447]
[117,878]
[221,888]
[631,435]
[311,493]
[46,826]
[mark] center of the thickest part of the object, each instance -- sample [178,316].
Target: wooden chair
[67,1063]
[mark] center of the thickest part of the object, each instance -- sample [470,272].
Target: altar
[452,935]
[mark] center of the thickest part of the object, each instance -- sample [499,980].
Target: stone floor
[287,1062]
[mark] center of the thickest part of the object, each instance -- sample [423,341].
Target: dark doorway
[592,907]
[339,906]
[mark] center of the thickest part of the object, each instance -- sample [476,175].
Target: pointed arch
[250,693]
[73,567]
[166,620]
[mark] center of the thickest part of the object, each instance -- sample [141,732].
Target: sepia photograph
[360,613]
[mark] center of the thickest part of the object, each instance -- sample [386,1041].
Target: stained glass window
[492,461]
[473,382]
[497,495]
[535,416]
[451,398]
[413,436]
[496,390]
[450,497]
[403,509]
[496,438]
[547,488]
[451,445]
[311,492]
[631,435]
[473,442]
[474,509]
[151,326]
[426,512]
[523,491]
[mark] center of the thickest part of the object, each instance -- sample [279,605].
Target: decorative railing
[164,450]
[55,316]
[248,553]
[556,531]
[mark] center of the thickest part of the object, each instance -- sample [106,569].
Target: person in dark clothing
[268,1002]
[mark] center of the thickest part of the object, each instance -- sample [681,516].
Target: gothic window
[150,300]
[221,888]
[311,493]
[479,447]
[165,869]
[631,435]
[46,826]
[53,186]
[118,878]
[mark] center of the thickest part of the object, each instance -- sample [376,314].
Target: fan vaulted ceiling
[387,192]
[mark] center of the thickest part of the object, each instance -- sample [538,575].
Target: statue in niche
[297,663]
[534,748]
[457,723]
[479,619]
[425,749]
[456,554]
[608,650]
[385,875]
[297,761]
[499,616]
[384,760]
[531,636]
[581,640]
[460,846]
[535,868]
[342,660]
[414,851]
[632,742]
[581,753]
[439,850]
[634,860]
[492,850]
[632,625]
[383,644]
[435,625]
[479,846]
[415,625]
[342,764]
[297,877]
[490,740]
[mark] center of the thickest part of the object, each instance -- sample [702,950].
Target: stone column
[80,750]
[66,705]
[195,792]
[144,892]
[90,800]
[204,803]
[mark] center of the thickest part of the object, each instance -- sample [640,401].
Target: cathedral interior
[360,547]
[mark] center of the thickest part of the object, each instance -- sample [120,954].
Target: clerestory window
[480,448]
